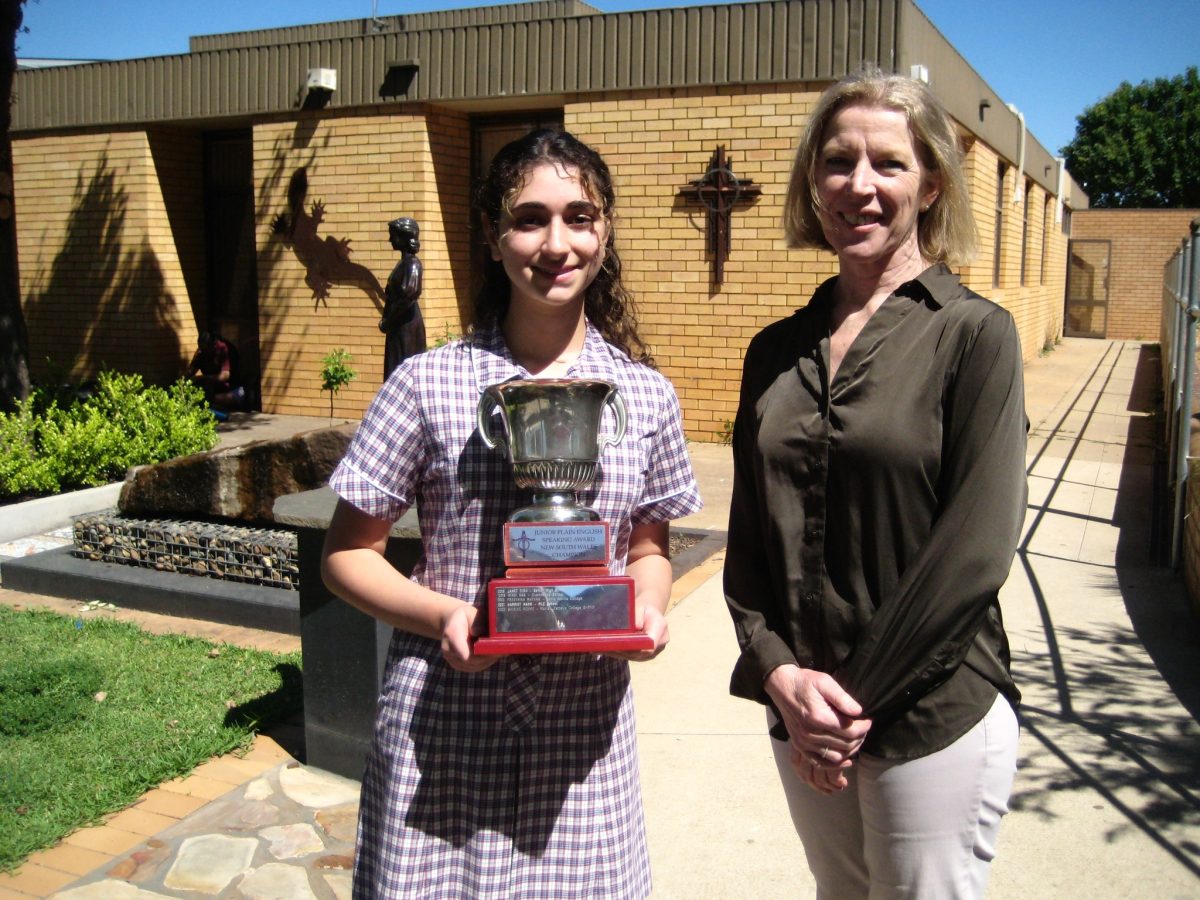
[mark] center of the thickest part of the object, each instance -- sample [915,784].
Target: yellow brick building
[218,190]
[1115,278]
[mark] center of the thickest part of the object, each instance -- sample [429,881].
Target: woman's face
[551,242]
[872,185]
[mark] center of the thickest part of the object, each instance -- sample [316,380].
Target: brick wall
[698,332]
[655,145]
[128,205]
[1142,242]
[178,158]
[100,279]
[1036,304]
[363,171]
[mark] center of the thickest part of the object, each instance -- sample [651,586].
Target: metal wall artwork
[720,190]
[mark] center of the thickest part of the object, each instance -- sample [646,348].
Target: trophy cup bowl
[557,595]
[552,439]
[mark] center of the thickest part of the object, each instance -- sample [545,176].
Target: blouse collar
[935,285]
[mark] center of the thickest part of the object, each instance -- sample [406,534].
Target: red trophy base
[540,612]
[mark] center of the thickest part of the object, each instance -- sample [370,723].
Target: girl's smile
[551,241]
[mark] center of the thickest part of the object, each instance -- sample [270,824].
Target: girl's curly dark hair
[608,305]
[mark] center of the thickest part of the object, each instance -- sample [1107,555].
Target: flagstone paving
[27,546]
[289,832]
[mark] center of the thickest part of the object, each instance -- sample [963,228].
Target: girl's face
[551,243]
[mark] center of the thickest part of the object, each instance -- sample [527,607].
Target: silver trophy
[552,439]
[557,595]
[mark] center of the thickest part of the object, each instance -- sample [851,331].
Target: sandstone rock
[292,841]
[315,789]
[208,863]
[340,883]
[335,861]
[141,865]
[236,483]
[339,822]
[274,881]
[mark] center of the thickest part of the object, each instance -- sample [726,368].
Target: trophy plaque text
[557,595]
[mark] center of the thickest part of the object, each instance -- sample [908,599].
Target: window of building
[1025,232]
[998,246]
[1047,212]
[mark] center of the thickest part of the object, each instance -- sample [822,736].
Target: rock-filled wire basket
[251,555]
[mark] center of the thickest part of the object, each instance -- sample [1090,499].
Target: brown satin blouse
[875,518]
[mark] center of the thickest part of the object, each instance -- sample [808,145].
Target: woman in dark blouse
[879,491]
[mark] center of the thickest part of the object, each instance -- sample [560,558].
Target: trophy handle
[618,404]
[483,417]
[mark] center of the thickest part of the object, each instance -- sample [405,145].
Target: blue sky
[1051,58]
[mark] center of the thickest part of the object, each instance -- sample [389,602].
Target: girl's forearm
[367,581]
[651,576]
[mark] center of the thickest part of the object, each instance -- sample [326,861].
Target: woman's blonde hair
[946,231]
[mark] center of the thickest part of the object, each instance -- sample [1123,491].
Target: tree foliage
[1139,147]
[14,343]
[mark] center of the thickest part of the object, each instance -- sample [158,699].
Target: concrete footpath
[1106,802]
[1107,799]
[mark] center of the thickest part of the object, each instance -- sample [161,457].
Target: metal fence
[1181,309]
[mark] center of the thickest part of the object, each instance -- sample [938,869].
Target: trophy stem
[554,506]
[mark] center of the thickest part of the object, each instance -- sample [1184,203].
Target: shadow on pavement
[1104,724]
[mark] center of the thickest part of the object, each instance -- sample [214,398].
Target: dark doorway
[1087,288]
[232,277]
[488,135]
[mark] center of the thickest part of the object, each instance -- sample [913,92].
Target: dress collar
[493,363]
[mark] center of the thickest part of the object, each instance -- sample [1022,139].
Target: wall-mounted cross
[719,190]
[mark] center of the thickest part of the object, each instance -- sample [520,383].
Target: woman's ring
[824,752]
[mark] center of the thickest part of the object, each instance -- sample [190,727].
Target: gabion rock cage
[252,555]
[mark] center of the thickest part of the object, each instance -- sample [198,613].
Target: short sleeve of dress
[670,490]
[379,472]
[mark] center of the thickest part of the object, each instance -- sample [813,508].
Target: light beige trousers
[923,828]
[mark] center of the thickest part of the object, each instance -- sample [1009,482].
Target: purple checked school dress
[520,781]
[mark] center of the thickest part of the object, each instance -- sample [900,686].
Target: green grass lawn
[94,712]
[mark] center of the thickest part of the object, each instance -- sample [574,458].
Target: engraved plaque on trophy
[557,595]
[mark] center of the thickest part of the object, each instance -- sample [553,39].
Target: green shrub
[46,448]
[22,470]
[156,424]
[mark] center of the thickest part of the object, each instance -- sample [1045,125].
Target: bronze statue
[402,322]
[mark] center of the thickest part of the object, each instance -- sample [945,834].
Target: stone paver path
[287,833]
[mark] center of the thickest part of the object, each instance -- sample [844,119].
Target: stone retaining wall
[251,555]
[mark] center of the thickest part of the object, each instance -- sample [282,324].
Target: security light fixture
[318,88]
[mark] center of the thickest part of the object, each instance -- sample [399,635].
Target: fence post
[1172,349]
[1190,266]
